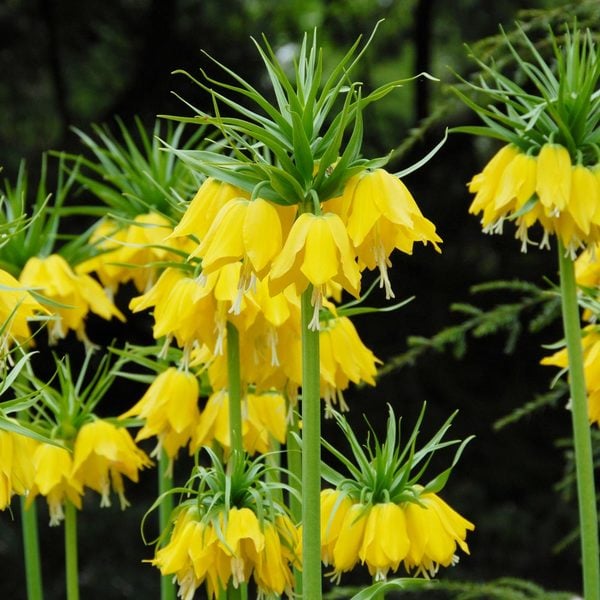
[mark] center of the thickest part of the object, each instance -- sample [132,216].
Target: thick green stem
[294,465]
[165,483]
[71,559]
[311,455]
[235,389]
[31,548]
[586,494]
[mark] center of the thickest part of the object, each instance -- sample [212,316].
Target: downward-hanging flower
[546,173]
[317,251]
[169,408]
[591,364]
[229,532]
[53,479]
[435,531]
[16,466]
[263,420]
[381,215]
[546,189]
[382,517]
[102,454]
[17,308]
[203,208]
[246,230]
[77,295]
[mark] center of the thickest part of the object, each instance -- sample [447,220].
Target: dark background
[67,62]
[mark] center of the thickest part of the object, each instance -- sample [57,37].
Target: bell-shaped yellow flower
[55,279]
[108,237]
[228,548]
[103,453]
[203,208]
[350,538]
[435,530]
[385,542]
[263,419]
[272,572]
[334,506]
[244,230]
[591,366]
[16,466]
[317,251]
[564,199]
[17,308]
[53,478]
[169,408]
[344,358]
[553,185]
[382,215]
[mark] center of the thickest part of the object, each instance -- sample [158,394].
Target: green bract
[559,101]
[386,471]
[29,219]
[304,145]
[135,176]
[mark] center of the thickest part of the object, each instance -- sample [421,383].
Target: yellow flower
[263,418]
[16,467]
[55,279]
[435,530]
[563,198]
[129,252]
[243,541]
[344,358]
[104,453]
[146,242]
[349,541]
[553,185]
[195,310]
[265,415]
[107,237]
[334,507]
[229,547]
[317,251]
[170,410]
[272,571]
[202,210]
[384,535]
[53,478]
[244,230]
[591,367]
[385,542]
[382,215]
[17,307]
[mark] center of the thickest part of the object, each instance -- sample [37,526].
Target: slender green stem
[235,389]
[311,455]
[165,483]
[71,559]
[31,548]
[294,465]
[586,494]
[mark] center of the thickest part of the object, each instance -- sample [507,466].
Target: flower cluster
[422,534]
[232,530]
[544,189]
[381,516]
[547,172]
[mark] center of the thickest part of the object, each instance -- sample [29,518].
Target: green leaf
[400,584]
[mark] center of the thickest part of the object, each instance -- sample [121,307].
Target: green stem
[584,464]
[165,483]
[71,559]
[235,389]
[31,548]
[294,465]
[311,455]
